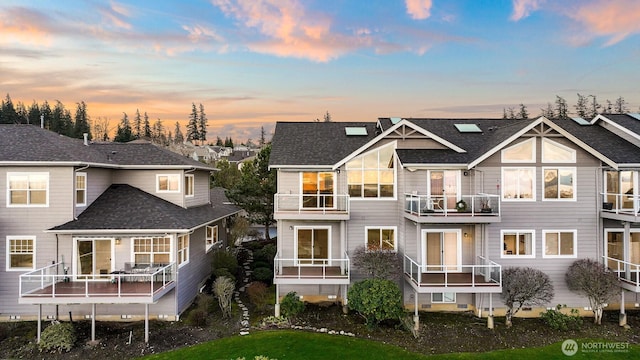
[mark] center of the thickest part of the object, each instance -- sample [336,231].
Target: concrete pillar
[277,306]
[623,315]
[490,323]
[39,322]
[146,323]
[93,322]
[416,317]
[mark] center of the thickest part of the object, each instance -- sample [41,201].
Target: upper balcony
[311,271]
[623,207]
[628,273]
[481,208]
[142,285]
[483,277]
[311,207]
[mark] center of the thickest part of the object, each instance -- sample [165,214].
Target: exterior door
[444,187]
[317,190]
[93,258]
[442,251]
[313,246]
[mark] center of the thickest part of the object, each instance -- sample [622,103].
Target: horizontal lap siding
[32,221]
[98,180]
[194,273]
[201,189]
[145,180]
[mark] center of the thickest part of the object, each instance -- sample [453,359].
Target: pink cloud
[116,14]
[522,8]
[615,19]
[24,25]
[419,9]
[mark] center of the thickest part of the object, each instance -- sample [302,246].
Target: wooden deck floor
[99,289]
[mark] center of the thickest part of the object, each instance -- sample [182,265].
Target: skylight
[355,131]
[634,115]
[580,121]
[468,128]
[395,120]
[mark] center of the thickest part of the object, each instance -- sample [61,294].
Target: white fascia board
[301,167]
[116,231]
[389,131]
[618,126]
[504,143]
[435,166]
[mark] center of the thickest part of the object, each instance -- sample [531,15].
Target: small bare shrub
[223,289]
[258,294]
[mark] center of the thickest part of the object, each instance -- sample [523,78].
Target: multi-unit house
[103,230]
[459,200]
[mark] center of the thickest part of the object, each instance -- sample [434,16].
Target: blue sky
[254,62]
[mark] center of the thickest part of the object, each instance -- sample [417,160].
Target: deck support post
[39,322]
[146,323]
[277,306]
[93,322]
[490,316]
[623,315]
[416,317]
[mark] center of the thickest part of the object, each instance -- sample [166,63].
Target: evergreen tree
[137,125]
[158,132]
[523,113]
[263,140]
[562,110]
[548,112]
[124,132]
[228,142]
[21,113]
[34,114]
[179,138]
[81,125]
[202,125]
[227,175]
[581,106]
[61,120]
[327,117]
[47,114]
[147,126]
[620,106]
[594,107]
[8,112]
[192,126]
[219,141]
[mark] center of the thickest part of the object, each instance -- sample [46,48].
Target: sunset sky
[254,62]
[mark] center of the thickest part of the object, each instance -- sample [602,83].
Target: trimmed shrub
[224,272]
[558,320]
[291,305]
[267,253]
[258,294]
[58,337]
[260,264]
[198,317]
[263,274]
[376,300]
[224,259]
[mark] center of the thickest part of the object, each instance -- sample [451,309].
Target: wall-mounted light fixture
[466,235]
[118,241]
[290,227]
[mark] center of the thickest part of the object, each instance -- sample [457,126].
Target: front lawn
[285,344]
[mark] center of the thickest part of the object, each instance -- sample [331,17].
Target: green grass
[285,344]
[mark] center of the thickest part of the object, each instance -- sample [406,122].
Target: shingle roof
[626,121]
[124,207]
[316,143]
[29,143]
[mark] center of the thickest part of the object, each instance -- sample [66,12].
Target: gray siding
[145,180]
[201,189]
[98,180]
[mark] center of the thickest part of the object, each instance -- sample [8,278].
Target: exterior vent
[426,306]
[125,316]
[463,306]
[580,121]
[526,309]
[468,128]
[355,131]
[87,316]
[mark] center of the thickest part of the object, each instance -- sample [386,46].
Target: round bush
[376,300]
[260,264]
[263,274]
[58,337]
[291,305]
[224,272]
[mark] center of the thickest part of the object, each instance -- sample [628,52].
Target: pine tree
[147,126]
[137,125]
[562,110]
[47,114]
[21,113]
[192,126]
[581,106]
[124,132]
[548,112]
[219,141]
[8,112]
[158,135]
[327,117]
[620,106]
[81,125]
[179,138]
[594,107]
[263,140]
[202,125]
[523,113]
[34,114]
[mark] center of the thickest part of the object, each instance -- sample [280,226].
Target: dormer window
[167,183]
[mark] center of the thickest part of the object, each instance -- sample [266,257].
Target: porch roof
[124,207]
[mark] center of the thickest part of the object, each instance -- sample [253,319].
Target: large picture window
[153,250]
[372,175]
[317,190]
[559,183]
[21,251]
[518,243]
[381,238]
[559,243]
[27,189]
[518,184]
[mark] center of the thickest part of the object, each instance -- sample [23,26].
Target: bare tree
[223,289]
[524,286]
[593,280]
[377,263]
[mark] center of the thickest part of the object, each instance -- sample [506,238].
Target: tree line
[60,119]
[586,107]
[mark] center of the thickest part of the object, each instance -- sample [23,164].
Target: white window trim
[395,176]
[184,251]
[8,257]
[75,267]
[518,232]
[214,229]
[575,183]
[133,253]
[607,231]
[533,186]
[295,242]
[544,244]
[533,153]
[333,193]
[192,187]
[84,175]
[562,146]
[9,175]
[443,297]
[168,176]
[395,235]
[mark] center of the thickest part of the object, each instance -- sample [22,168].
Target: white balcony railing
[621,203]
[626,271]
[443,205]
[311,268]
[53,282]
[485,272]
[301,203]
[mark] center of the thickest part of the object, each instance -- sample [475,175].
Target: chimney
[86,139]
